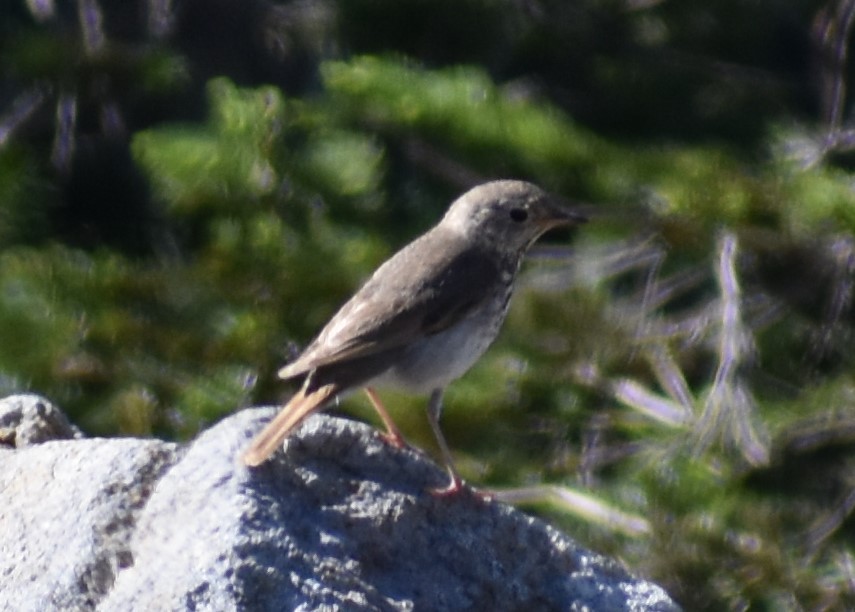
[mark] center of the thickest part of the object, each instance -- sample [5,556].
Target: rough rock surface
[26,420]
[339,521]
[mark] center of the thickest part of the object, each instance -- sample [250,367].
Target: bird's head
[509,215]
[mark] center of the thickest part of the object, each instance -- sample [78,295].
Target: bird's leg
[434,412]
[393,435]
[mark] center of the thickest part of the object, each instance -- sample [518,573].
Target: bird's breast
[434,360]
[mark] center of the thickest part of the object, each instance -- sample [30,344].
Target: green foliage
[347,164]
[166,346]
[821,200]
[462,109]
[228,160]
[23,201]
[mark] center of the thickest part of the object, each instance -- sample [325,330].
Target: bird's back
[428,286]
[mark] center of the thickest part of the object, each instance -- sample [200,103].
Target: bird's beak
[560,215]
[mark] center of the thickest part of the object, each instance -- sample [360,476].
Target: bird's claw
[457,486]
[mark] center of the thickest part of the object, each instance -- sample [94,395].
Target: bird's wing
[419,291]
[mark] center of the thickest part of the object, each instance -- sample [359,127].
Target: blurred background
[188,190]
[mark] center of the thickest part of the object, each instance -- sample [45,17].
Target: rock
[29,419]
[68,510]
[339,521]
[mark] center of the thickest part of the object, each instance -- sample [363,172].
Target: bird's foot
[457,486]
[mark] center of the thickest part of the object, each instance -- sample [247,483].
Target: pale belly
[438,359]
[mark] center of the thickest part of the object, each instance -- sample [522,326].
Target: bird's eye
[519,214]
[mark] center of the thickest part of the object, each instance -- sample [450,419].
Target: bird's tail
[292,414]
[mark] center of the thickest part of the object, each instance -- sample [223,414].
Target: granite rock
[339,520]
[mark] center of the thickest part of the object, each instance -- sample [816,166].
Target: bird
[425,316]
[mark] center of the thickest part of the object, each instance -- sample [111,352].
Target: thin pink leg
[455,483]
[393,435]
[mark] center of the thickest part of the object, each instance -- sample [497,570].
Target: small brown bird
[425,316]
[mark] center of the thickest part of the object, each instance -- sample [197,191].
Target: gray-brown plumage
[426,315]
